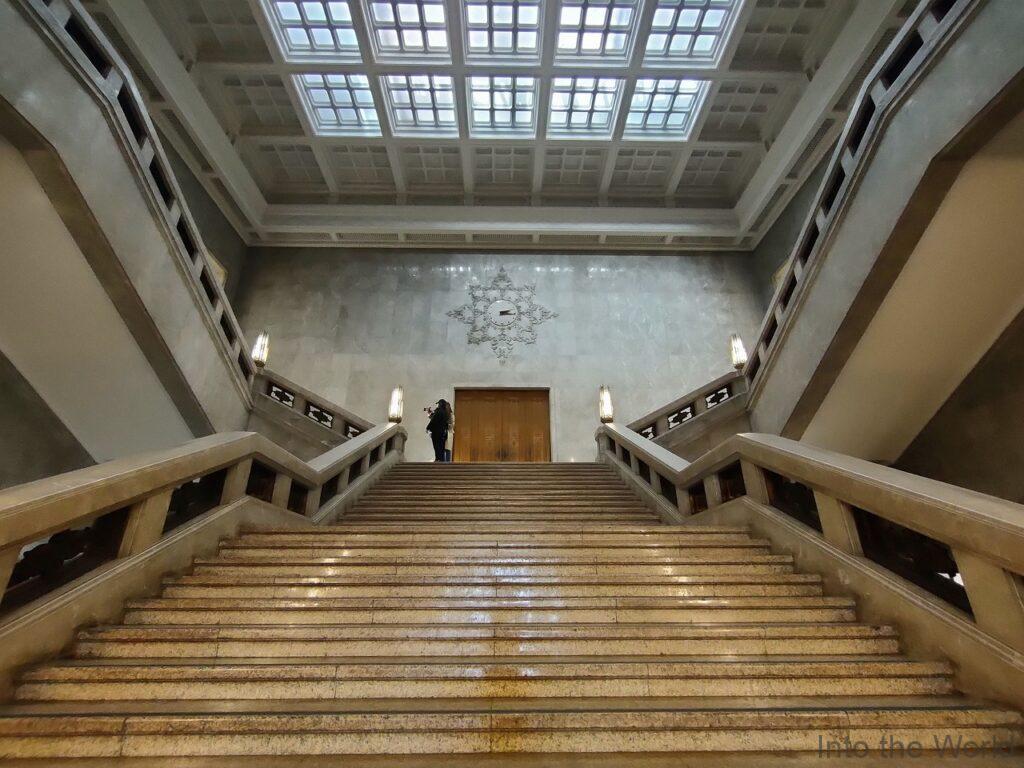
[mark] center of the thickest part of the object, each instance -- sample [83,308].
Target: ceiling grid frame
[621,214]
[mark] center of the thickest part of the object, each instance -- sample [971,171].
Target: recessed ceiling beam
[493,218]
[864,27]
[790,72]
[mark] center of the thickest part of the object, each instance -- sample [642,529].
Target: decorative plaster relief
[502,314]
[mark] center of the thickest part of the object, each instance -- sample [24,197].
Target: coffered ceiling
[633,124]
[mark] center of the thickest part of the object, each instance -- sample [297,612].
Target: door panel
[502,425]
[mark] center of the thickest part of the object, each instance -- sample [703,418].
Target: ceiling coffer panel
[625,104]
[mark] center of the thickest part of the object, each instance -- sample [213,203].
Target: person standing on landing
[441,421]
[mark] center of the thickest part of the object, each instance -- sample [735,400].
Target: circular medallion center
[502,313]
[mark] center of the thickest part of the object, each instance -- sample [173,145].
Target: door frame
[519,387]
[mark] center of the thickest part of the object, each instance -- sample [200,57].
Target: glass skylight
[502,104]
[688,30]
[601,30]
[313,29]
[583,106]
[409,28]
[421,104]
[663,106]
[506,28]
[339,104]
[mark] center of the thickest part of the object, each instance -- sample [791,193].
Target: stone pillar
[713,490]
[754,481]
[837,523]
[282,489]
[145,524]
[236,481]
[996,595]
[8,559]
[312,501]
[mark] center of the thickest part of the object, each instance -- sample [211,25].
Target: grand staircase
[491,609]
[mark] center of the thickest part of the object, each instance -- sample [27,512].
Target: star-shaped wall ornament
[502,314]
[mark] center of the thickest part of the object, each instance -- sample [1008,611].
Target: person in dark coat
[438,426]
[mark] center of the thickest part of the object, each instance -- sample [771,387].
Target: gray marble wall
[976,440]
[352,325]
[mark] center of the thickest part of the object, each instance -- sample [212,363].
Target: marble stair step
[343,537]
[567,495]
[631,581]
[576,553]
[309,641]
[224,589]
[698,610]
[458,678]
[391,729]
[706,563]
[511,527]
[755,564]
[484,518]
[498,512]
[493,603]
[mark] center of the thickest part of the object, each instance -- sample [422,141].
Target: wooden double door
[502,425]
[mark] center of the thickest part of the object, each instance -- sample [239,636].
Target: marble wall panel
[351,325]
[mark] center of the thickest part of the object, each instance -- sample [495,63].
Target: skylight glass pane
[421,104]
[502,104]
[664,107]
[310,30]
[688,30]
[583,106]
[339,105]
[601,30]
[502,28]
[413,28]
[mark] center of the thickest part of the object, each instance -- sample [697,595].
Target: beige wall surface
[352,325]
[61,331]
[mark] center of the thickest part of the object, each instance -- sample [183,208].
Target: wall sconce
[396,406]
[604,406]
[737,351]
[261,349]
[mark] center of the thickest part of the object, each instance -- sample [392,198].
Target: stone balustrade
[733,386]
[963,547]
[98,66]
[55,530]
[915,48]
[298,419]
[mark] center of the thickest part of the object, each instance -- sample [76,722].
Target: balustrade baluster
[145,524]
[754,481]
[996,596]
[837,523]
[8,559]
[312,501]
[713,490]
[236,481]
[282,490]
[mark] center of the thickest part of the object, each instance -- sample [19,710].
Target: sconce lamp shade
[396,406]
[604,406]
[261,349]
[737,351]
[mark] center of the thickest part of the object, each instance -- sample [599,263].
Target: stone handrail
[145,486]
[97,64]
[984,534]
[916,46]
[691,405]
[298,399]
